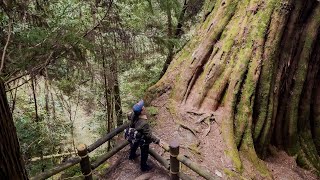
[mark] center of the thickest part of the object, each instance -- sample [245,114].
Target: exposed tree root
[207,131]
[185,126]
[196,113]
[206,116]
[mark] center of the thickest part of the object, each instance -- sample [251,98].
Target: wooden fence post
[85,162]
[174,163]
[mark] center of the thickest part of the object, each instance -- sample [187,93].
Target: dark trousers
[144,147]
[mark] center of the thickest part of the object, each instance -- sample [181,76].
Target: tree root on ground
[196,113]
[207,131]
[193,148]
[183,125]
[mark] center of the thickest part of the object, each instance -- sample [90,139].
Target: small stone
[218,173]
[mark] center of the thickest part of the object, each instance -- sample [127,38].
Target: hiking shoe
[146,168]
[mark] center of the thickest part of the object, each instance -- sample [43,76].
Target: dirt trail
[124,169]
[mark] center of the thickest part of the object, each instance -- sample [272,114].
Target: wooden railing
[87,167]
[81,158]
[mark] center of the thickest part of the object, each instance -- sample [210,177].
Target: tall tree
[257,60]
[11,164]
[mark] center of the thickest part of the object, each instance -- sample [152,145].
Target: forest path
[124,169]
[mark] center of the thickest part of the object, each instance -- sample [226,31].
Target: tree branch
[5,47]
[49,58]
[39,68]
[25,81]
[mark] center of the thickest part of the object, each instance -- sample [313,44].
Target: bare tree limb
[5,47]
[16,87]
[35,69]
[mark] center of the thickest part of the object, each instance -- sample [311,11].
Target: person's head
[138,108]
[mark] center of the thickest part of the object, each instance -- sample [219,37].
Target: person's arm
[148,133]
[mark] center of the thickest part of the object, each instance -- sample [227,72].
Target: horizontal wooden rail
[51,156]
[57,169]
[195,167]
[109,154]
[107,137]
[164,145]
[160,159]
[184,176]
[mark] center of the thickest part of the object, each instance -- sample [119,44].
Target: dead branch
[15,88]
[5,47]
[34,70]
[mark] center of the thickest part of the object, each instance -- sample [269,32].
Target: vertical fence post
[174,163]
[85,162]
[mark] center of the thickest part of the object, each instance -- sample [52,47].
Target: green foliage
[100,117]
[39,137]
[66,86]
[136,80]
[72,171]
[34,168]
[152,110]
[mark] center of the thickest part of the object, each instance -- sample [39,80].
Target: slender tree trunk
[116,91]
[258,61]
[33,84]
[118,106]
[107,94]
[11,164]
[171,35]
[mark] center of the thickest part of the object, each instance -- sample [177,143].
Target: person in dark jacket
[139,122]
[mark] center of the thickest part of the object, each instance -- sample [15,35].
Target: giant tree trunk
[11,164]
[258,60]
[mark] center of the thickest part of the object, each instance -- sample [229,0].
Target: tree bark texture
[259,61]
[11,163]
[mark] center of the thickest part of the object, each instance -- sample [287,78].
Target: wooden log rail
[107,137]
[175,158]
[71,162]
[105,157]
[75,160]
[86,167]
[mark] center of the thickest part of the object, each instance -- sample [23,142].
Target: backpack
[130,133]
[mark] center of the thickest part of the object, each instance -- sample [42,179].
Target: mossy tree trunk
[11,164]
[259,60]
